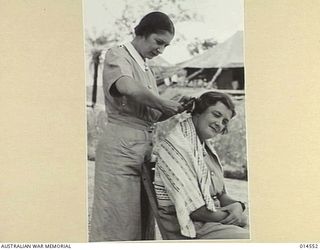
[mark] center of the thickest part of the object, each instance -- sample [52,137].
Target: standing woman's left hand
[235,214]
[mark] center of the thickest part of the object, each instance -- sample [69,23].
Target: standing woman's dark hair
[154,22]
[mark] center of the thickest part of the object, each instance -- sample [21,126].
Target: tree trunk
[95,82]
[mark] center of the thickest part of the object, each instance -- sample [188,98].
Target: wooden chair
[148,190]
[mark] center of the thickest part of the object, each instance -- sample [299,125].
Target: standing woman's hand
[128,87]
[169,108]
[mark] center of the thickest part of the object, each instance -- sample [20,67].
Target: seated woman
[189,184]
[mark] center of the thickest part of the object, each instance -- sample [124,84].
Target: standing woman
[133,105]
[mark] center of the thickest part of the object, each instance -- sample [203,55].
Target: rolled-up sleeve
[115,67]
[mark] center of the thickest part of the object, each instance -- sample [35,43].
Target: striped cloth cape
[183,178]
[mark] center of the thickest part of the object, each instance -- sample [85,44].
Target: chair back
[147,180]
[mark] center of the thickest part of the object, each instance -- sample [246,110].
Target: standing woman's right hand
[169,108]
[128,87]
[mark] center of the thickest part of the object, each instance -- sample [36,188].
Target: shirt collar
[136,56]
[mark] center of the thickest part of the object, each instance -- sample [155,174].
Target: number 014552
[309,245]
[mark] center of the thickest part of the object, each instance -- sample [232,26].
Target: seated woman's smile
[212,121]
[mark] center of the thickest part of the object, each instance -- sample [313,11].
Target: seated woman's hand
[235,214]
[244,221]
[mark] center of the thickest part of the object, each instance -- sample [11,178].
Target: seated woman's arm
[226,200]
[235,210]
[205,215]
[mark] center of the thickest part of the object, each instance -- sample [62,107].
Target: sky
[221,19]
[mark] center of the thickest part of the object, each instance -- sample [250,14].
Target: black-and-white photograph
[166,124]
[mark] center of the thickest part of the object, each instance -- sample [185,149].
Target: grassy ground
[237,189]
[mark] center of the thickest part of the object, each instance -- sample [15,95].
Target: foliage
[132,11]
[198,46]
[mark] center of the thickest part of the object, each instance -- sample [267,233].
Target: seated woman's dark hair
[154,22]
[211,98]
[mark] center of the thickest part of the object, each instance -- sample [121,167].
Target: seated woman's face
[212,121]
